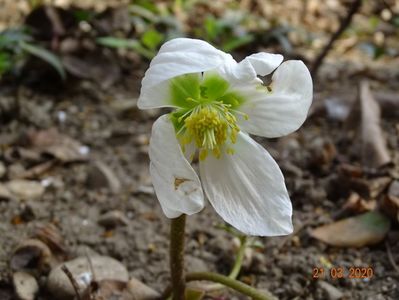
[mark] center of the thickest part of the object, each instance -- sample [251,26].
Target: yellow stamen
[210,126]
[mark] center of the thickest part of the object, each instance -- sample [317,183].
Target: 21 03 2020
[343,272]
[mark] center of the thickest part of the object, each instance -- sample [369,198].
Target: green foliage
[152,39]
[10,53]
[16,45]
[45,55]
[83,15]
[5,62]
[227,32]
[133,44]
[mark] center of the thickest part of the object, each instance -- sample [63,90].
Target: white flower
[217,102]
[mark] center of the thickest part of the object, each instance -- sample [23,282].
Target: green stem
[239,258]
[177,257]
[236,266]
[231,283]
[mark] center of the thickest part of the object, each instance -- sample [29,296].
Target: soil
[104,118]
[117,135]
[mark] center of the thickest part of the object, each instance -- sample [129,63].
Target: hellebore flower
[216,103]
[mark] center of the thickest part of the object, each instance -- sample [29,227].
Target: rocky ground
[74,183]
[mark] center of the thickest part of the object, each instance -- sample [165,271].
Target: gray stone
[331,291]
[112,219]
[25,189]
[100,176]
[104,268]
[2,169]
[25,285]
[5,192]
[136,290]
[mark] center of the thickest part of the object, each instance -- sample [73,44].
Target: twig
[390,257]
[90,264]
[355,6]
[72,280]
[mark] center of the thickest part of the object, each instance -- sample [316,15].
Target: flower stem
[239,258]
[177,257]
[236,266]
[231,283]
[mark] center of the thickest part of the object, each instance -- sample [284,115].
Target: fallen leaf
[357,204]
[374,150]
[390,203]
[95,66]
[50,235]
[31,254]
[194,294]
[62,147]
[363,230]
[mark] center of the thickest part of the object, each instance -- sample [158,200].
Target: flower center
[209,126]
[206,112]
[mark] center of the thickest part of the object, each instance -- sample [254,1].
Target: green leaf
[114,42]
[143,12]
[211,28]
[133,44]
[5,62]
[45,55]
[151,39]
[11,37]
[83,15]
[148,5]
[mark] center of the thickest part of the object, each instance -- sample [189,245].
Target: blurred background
[74,177]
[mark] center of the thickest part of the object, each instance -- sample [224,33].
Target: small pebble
[138,290]
[25,189]
[25,285]
[2,169]
[104,267]
[113,219]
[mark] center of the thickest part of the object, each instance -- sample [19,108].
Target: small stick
[90,264]
[72,280]
[355,6]
[390,257]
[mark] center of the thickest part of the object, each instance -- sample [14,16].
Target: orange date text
[343,272]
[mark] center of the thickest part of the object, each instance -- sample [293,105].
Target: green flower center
[206,112]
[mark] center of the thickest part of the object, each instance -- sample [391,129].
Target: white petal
[176,57]
[283,110]
[247,70]
[176,184]
[264,63]
[247,189]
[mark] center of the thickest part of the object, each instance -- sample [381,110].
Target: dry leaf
[390,203]
[357,204]
[31,254]
[95,66]
[58,145]
[363,230]
[374,150]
